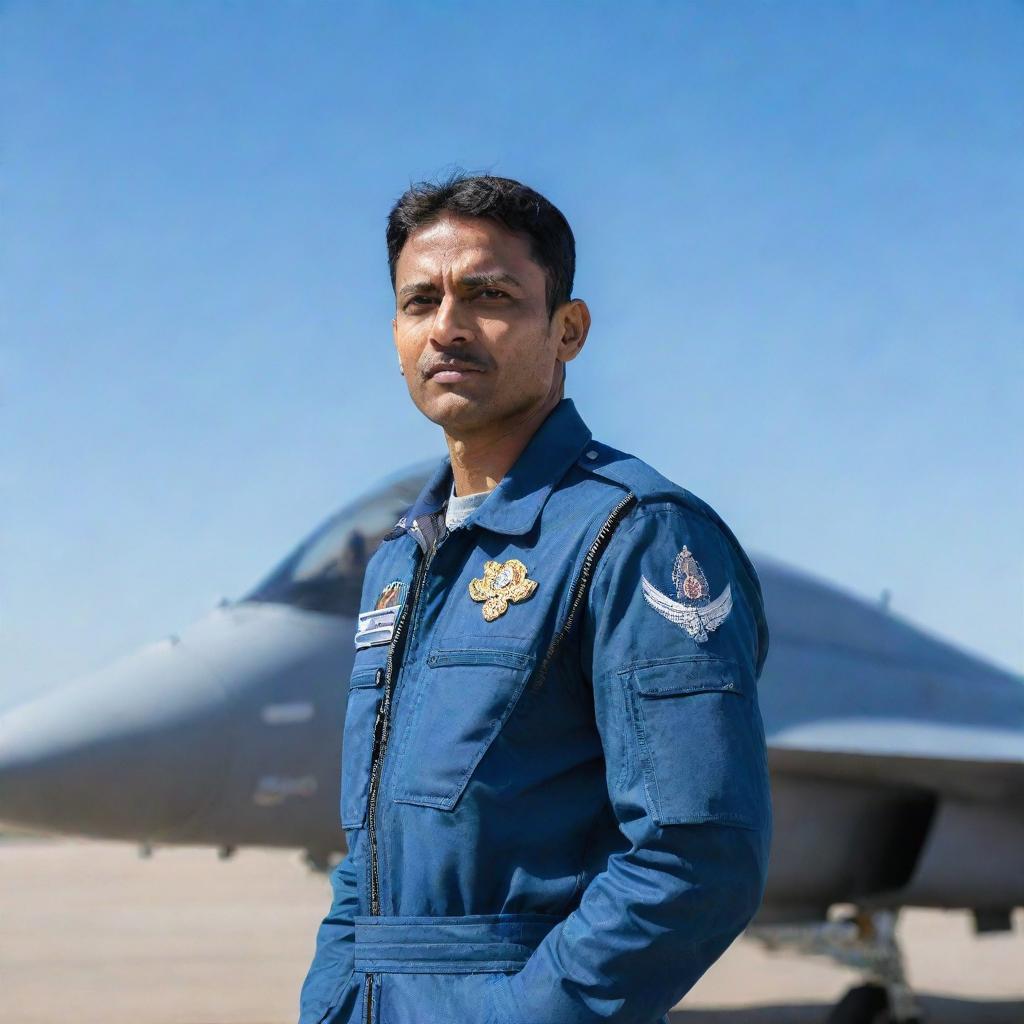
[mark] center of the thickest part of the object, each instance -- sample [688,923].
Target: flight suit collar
[514,505]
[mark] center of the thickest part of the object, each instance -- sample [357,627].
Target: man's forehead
[466,246]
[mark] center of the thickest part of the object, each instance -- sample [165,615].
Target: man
[554,782]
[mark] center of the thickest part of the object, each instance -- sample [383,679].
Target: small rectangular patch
[376,626]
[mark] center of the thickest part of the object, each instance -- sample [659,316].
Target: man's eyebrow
[469,281]
[483,280]
[417,286]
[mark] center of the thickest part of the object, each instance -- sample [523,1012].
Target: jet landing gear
[867,942]
[865,1004]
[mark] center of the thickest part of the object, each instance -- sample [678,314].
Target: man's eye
[419,300]
[493,293]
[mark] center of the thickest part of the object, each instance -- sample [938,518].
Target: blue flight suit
[554,779]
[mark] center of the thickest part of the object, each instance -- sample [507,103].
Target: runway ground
[91,933]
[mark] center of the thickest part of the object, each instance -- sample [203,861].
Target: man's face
[471,326]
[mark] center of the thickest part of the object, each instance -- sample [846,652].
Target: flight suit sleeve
[673,641]
[334,957]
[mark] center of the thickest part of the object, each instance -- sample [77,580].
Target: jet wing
[956,761]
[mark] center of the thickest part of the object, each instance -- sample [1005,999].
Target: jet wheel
[866,1004]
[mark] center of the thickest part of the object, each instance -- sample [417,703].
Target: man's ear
[575,325]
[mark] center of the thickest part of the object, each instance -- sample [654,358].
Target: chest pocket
[365,691]
[462,699]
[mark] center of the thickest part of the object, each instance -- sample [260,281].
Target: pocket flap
[366,677]
[697,673]
[480,656]
[368,667]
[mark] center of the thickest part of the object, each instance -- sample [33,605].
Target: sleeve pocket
[701,742]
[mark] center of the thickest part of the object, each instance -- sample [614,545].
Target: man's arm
[333,960]
[673,666]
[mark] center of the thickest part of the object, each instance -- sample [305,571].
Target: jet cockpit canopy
[325,572]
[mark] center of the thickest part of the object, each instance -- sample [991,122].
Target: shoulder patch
[693,610]
[649,486]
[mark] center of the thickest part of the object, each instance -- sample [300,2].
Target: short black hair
[512,204]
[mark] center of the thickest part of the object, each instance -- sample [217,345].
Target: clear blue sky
[799,229]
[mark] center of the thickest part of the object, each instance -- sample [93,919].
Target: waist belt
[472,944]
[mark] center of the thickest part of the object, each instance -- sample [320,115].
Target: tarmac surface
[92,933]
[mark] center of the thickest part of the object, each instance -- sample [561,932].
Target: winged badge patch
[694,610]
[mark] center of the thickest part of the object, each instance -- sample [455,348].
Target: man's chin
[456,411]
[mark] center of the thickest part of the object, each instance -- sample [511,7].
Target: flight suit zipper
[381,730]
[579,588]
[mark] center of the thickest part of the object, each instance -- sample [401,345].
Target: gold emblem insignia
[504,583]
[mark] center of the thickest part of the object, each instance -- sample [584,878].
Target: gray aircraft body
[897,760]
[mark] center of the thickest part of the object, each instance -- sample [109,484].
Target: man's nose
[451,325]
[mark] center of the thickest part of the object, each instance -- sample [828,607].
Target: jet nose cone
[127,753]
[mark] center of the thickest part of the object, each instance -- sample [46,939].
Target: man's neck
[479,461]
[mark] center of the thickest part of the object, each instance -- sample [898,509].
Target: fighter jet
[897,760]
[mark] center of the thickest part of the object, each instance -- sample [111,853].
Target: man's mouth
[452,372]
